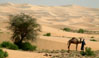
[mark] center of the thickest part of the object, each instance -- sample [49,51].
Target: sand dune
[71,15]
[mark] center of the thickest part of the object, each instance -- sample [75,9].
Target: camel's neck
[80,41]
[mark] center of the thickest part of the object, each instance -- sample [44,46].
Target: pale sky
[87,3]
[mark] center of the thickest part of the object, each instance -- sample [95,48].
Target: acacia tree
[24,28]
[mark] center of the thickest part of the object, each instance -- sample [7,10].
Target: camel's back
[74,40]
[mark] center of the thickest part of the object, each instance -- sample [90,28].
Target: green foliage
[6,54]
[9,45]
[92,36]
[88,52]
[27,46]
[0,45]
[82,53]
[93,40]
[81,31]
[67,29]
[47,34]
[24,27]
[3,54]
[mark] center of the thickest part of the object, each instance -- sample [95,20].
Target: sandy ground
[57,40]
[55,43]
[24,54]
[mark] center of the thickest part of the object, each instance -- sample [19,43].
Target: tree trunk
[22,37]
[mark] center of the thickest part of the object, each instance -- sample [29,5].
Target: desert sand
[21,54]
[52,20]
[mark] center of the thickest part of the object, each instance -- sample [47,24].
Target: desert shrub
[47,34]
[82,53]
[92,36]
[93,40]
[88,52]
[9,45]
[67,29]
[27,46]
[3,54]
[81,31]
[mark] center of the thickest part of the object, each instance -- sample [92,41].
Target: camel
[74,41]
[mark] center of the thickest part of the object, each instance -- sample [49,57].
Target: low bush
[88,52]
[47,34]
[93,40]
[81,31]
[82,53]
[67,29]
[9,45]
[92,37]
[27,46]
[3,54]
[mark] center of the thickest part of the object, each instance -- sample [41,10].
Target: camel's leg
[76,46]
[69,47]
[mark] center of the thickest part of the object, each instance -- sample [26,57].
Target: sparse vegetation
[88,52]
[9,45]
[82,53]
[67,29]
[47,34]
[81,31]
[93,40]
[73,54]
[27,46]
[71,30]
[63,51]
[3,54]
[92,36]
[24,46]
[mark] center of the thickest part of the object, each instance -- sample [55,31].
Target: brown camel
[74,41]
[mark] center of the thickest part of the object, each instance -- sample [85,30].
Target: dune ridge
[72,16]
